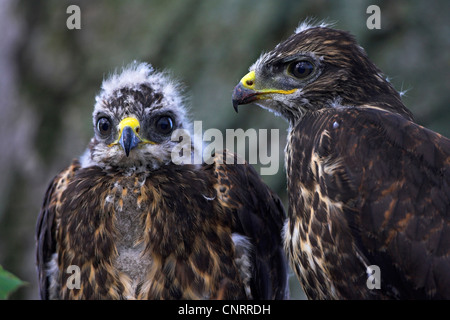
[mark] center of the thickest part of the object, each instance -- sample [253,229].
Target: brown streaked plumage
[142,227]
[367,186]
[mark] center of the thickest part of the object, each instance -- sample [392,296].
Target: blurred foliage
[8,283]
[50,76]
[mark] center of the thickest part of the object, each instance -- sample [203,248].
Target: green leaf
[8,283]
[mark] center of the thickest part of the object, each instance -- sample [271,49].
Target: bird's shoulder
[258,215]
[47,223]
[239,186]
[53,200]
[362,136]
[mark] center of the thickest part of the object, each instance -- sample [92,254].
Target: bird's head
[134,116]
[311,70]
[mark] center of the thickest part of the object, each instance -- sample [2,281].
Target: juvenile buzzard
[138,226]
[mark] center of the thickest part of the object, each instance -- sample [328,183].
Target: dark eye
[104,126]
[301,69]
[164,125]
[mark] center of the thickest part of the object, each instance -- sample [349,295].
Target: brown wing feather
[258,215]
[46,225]
[405,215]
[393,178]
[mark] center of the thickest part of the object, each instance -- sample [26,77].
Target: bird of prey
[135,225]
[368,188]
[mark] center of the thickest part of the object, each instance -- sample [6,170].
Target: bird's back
[369,187]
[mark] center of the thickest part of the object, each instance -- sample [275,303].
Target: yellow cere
[248,82]
[134,124]
[129,122]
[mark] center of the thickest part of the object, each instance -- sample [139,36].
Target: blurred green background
[49,76]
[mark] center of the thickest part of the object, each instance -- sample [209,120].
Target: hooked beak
[129,135]
[242,95]
[129,139]
[245,92]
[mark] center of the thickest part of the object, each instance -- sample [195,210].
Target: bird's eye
[164,125]
[301,69]
[104,126]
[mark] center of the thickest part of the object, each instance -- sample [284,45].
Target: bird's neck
[375,92]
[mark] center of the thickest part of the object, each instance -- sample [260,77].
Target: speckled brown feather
[259,215]
[48,224]
[374,189]
[185,221]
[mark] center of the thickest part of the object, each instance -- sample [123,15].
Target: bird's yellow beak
[246,91]
[129,135]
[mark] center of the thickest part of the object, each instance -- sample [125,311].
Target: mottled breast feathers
[195,232]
